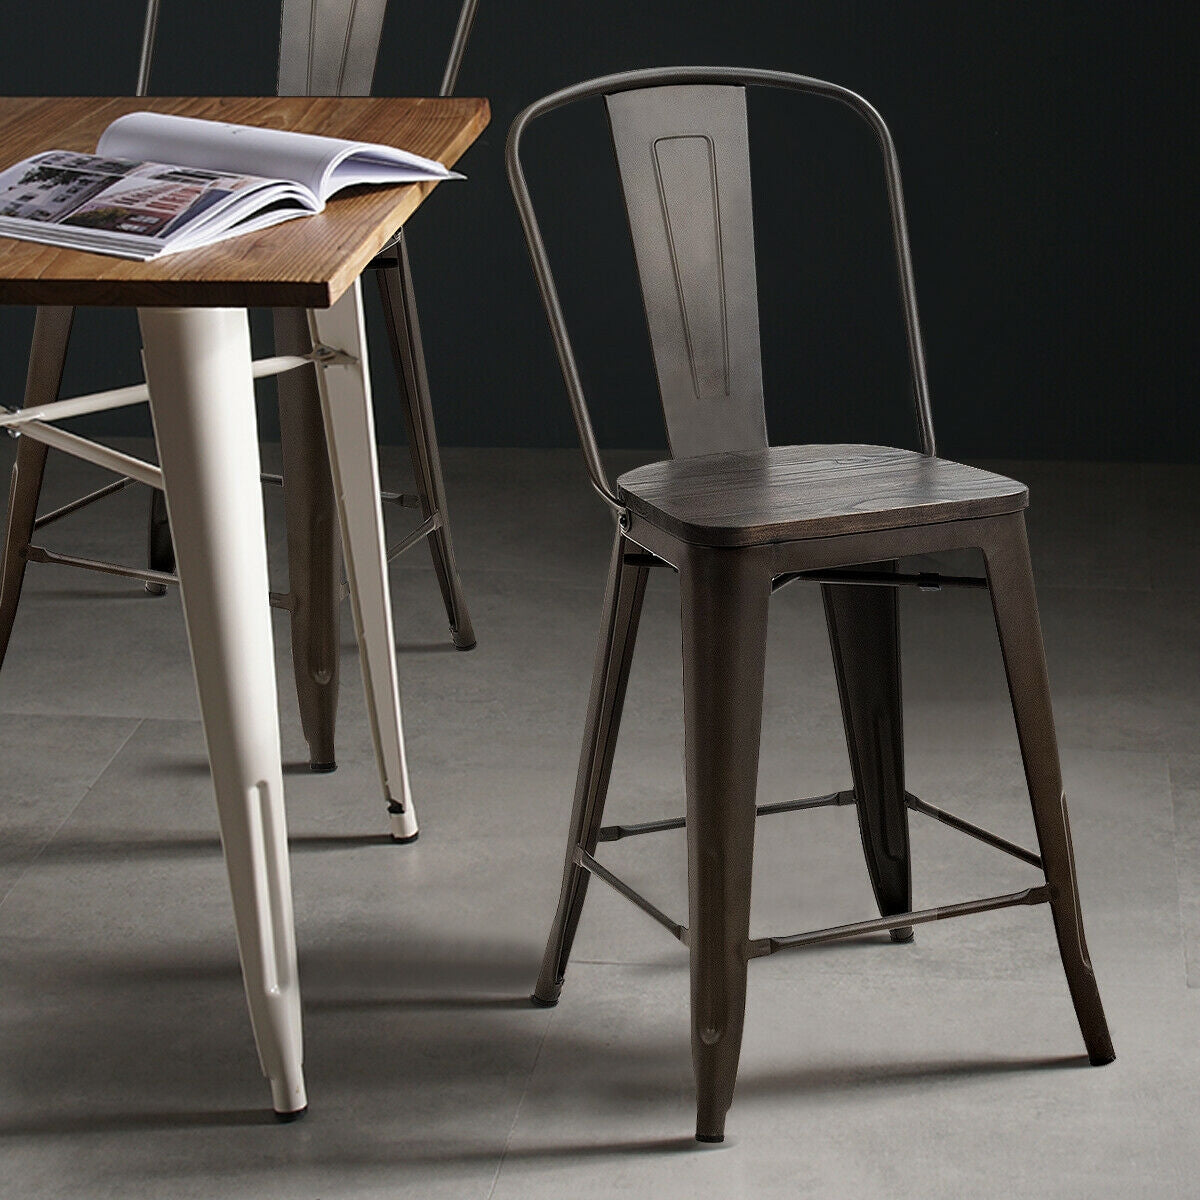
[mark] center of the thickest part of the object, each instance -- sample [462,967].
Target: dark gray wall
[1043,147]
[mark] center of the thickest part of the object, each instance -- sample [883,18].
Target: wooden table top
[305,263]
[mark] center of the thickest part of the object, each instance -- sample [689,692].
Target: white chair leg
[202,400]
[345,387]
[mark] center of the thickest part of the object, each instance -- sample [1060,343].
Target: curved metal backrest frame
[458,45]
[608,85]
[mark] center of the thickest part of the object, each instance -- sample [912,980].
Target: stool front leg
[202,401]
[610,677]
[345,389]
[1010,577]
[724,607]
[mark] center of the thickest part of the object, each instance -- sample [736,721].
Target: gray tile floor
[948,1068]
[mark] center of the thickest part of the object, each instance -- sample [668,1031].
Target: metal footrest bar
[927,581]
[75,505]
[426,527]
[982,835]
[760,947]
[588,863]
[39,554]
[614,833]
[403,499]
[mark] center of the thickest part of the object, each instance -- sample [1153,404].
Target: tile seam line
[520,1104]
[87,791]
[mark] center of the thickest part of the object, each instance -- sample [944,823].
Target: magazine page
[323,165]
[116,205]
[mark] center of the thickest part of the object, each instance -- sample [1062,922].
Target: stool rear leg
[313,544]
[47,358]
[23,493]
[1010,577]
[408,357]
[160,547]
[724,608]
[864,634]
[614,653]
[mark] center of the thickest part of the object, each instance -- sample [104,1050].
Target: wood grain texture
[306,263]
[787,493]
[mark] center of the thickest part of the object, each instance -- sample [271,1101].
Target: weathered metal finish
[615,833]
[614,653]
[589,864]
[313,544]
[864,634]
[971,830]
[408,356]
[837,933]
[73,506]
[160,552]
[684,159]
[149,38]
[329,47]
[47,358]
[458,47]
[733,538]
[724,597]
[926,581]
[1006,554]
[39,554]
[734,78]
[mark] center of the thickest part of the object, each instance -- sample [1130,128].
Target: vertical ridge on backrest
[684,159]
[329,47]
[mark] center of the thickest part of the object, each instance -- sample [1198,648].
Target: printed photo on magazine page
[145,199]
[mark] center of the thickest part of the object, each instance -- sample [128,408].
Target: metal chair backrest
[682,148]
[329,47]
[326,47]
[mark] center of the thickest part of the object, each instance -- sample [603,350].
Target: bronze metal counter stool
[325,49]
[738,519]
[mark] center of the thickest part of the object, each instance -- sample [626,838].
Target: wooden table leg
[345,387]
[202,400]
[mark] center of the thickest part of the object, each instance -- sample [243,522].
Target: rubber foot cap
[710,1139]
[287,1118]
[465,645]
[156,589]
[1102,1062]
[322,768]
[902,936]
[538,1002]
[406,841]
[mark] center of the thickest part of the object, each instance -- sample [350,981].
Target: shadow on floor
[122,848]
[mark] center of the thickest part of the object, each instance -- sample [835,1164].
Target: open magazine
[158,184]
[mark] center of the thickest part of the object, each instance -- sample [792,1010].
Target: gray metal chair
[325,49]
[738,519]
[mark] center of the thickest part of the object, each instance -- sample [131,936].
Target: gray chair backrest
[326,47]
[684,160]
[329,47]
[682,149]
